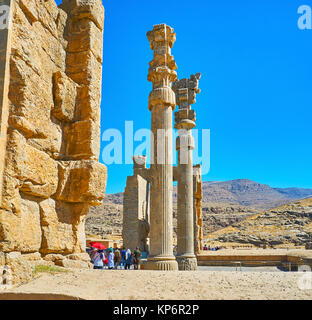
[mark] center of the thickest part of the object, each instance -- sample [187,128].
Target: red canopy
[97,245]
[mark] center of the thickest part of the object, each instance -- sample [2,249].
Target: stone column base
[161,264]
[187,263]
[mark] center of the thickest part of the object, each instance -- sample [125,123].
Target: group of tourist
[208,248]
[115,258]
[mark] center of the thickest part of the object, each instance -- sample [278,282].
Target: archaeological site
[185,237]
[50,90]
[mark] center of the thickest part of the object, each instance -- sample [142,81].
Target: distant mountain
[241,192]
[249,193]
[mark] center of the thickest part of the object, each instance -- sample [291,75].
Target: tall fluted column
[161,104]
[185,91]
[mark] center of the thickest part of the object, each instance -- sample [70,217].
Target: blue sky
[256,82]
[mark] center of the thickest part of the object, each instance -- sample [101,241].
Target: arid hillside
[107,218]
[224,203]
[289,224]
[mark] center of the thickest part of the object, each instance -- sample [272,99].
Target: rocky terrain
[224,204]
[107,218]
[290,224]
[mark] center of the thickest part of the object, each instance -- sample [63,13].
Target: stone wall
[50,93]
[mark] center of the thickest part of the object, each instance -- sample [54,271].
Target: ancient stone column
[185,91]
[161,104]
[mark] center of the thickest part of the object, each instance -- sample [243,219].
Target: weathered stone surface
[79,256]
[21,232]
[30,9]
[85,37]
[2,258]
[50,92]
[21,269]
[57,228]
[65,92]
[30,227]
[82,140]
[36,256]
[81,181]
[136,212]
[36,171]
[75,264]
[53,257]
[81,9]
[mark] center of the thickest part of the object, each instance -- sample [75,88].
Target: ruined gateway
[148,194]
[50,92]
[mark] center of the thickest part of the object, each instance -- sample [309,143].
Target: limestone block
[84,68]
[35,46]
[88,104]
[65,92]
[79,256]
[29,96]
[2,258]
[30,228]
[57,228]
[61,24]
[82,140]
[52,48]
[47,15]
[36,171]
[85,36]
[30,9]
[53,257]
[85,9]
[10,231]
[73,264]
[23,232]
[81,181]
[21,269]
[36,256]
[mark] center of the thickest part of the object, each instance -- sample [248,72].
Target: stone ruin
[147,218]
[50,93]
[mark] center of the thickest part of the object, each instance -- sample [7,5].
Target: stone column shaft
[185,90]
[161,104]
[185,199]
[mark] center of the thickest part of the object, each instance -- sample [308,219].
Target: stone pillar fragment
[136,207]
[185,91]
[198,221]
[161,104]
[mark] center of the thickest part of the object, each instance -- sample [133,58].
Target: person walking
[137,256]
[123,257]
[117,258]
[98,260]
[129,259]
[111,259]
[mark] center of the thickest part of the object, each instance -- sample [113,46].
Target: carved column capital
[162,67]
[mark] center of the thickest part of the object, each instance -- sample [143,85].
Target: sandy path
[154,285]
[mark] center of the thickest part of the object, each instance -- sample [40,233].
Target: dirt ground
[157,285]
